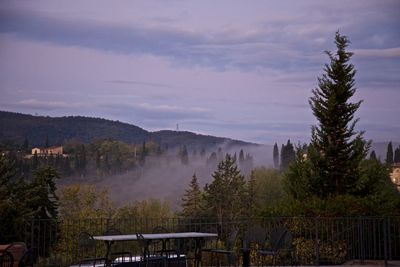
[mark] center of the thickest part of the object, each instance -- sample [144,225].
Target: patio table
[197,236]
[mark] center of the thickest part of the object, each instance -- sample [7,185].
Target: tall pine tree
[226,195]
[337,149]
[192,201]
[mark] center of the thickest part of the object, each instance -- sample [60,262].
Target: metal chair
[208,245]
[6,259]
[279,241]
[87,253]
[228,251]
[118,255]
[28,259]
[286,248]
[17,250]
[254,239]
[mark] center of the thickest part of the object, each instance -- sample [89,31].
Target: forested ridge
[16,128]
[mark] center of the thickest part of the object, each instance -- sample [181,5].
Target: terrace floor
[369,263]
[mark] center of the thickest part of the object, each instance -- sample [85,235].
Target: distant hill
[15,127]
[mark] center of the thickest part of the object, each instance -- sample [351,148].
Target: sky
[237,69]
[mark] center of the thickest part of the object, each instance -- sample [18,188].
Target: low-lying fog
[166,178]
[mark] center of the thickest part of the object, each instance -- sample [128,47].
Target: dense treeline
[107,157]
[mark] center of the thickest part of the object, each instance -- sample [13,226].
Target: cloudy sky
[239,69]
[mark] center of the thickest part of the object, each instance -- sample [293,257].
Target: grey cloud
[255,126]
[286,43]
[378,53]
[44,105]
[373,73]
[263,132]
[145,111]
[93,34]
[151,84]
[218,50]
[381,132]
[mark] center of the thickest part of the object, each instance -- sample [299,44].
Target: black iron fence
[316,241]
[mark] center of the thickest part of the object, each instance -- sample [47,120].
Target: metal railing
[316,241]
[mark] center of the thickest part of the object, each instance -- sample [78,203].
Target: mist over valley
[130,162]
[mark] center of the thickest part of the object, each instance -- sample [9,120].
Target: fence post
[32,235]
[385,239]
[361,240]
[317,242]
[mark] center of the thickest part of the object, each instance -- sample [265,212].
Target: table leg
[197,252]
[246,257]
[108,251]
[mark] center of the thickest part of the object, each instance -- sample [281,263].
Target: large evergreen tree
[43,198]
[13,210]
[21,200]
[335,173]
[338,148]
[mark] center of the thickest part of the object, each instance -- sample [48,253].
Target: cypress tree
[184,156]
[212,159]
[276,156]
[46,142]
[143,154]
[35,161]
[288,155]
[83,158]
[337,148]
[25,145]
[372,156]
[241,156]
[67,167]
[389,154]
[397,155]
[202,152]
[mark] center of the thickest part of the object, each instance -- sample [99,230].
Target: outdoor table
[197,236]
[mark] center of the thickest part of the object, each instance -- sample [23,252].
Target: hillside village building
[395,175]
[55,150]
